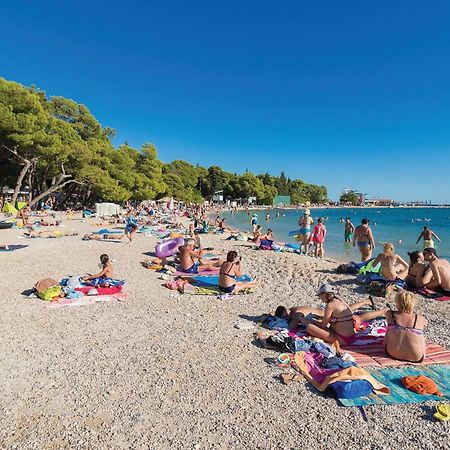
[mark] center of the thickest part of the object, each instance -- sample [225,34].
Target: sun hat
[326,289]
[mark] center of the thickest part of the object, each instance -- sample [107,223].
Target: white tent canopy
[106,209]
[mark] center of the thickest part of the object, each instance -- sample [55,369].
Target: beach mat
[214,290]
[13,247]
[88,300]
[106,231]
[428,293]
[399,394]
[213,280]
[375,356]
[180,273]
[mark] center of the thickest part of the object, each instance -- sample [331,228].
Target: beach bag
[44,284]
[50,293]
[377,288]
[351,389]
[421,385]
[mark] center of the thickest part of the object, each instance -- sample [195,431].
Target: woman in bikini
[104,277]
[417,270]
[337,322]
[363,237]
[229,271]
[404,338]
[393,266]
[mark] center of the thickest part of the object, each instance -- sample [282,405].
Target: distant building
[379,202]
[281,200]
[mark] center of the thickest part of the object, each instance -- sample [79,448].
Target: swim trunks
[192,269]
[348,236]
[304,231]
[227,289]
[428,243]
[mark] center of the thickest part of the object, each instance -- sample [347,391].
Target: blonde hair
[388,249]
[405,302]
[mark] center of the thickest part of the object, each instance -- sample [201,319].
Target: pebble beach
[164,370]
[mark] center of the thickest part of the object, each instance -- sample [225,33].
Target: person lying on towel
[190,260]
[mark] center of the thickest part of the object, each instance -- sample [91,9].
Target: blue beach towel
[391,378]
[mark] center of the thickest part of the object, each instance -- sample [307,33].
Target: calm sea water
[388,225]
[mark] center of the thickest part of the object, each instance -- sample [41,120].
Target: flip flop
[443,412]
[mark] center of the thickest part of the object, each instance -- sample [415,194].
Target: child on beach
[101,278]
[318,238]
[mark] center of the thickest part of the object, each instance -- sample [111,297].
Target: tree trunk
[19,181]
[51,190]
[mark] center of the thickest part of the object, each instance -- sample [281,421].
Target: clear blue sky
[342,93]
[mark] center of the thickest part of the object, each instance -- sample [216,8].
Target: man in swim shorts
[305,223]
[190,260]
[427,235]
[348,230]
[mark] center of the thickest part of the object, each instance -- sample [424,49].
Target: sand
[170,371]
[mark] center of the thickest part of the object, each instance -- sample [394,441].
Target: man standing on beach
[254,222]
[427,235]
[349,229]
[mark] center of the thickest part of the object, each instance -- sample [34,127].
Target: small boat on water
[6,225]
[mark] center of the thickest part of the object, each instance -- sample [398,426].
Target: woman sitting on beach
[337,322]
[416,271]
[100,279]
[257,235]
[404,338]
[393,266]
[229,271]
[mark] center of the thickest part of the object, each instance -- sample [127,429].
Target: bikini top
[233,277]
[345,318]
[413,329]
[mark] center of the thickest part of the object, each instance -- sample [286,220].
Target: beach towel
[398,393]
[12,248]
[101,290]
[428,293]
[213,280]
[309,365]
[211,290]
[182,273]
[88,300]
[375,356]
[106,231]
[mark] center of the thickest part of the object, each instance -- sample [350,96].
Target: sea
[401,226]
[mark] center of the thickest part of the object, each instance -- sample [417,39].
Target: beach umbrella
[9,209]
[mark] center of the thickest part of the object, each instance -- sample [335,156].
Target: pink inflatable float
[169,247]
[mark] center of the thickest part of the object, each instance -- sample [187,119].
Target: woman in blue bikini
[363,237]
[229,271]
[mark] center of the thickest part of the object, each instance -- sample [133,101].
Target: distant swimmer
[267,216]
[427,235]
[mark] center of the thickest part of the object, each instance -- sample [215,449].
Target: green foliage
[63,137]
[349,197]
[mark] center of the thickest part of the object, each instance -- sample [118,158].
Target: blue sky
[345,94]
